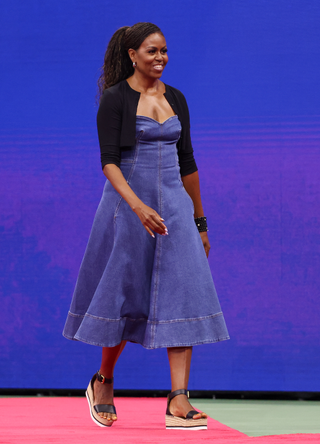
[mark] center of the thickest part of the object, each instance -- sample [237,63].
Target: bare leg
[180,360]
[103,393]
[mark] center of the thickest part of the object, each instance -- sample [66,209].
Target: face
[151,57]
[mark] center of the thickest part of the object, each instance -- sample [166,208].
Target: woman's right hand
[150,219]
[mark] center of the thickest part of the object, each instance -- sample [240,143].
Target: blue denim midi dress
[157,292]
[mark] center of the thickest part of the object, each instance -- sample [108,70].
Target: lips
[158,67]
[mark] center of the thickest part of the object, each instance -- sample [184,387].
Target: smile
[158,67]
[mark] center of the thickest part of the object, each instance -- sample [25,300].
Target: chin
[157,75]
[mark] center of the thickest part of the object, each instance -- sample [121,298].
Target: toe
[200,415]
[111,418]
[107,416]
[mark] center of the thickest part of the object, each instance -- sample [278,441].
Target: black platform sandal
[95,409]
[180,422]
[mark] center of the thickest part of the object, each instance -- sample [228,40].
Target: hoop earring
[134,64]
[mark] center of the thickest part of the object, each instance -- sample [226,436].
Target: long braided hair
[117,64]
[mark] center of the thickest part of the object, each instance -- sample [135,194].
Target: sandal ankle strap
[178,392]
[103,379]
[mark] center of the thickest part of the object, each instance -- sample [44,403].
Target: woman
[145,281]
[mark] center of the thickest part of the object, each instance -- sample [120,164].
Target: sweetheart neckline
[154,120]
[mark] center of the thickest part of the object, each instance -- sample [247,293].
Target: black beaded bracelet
[201,223]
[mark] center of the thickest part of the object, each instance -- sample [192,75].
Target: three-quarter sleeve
[109,121]
[187,161]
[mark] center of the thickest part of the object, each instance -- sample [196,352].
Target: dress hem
[213,341]
[150,334]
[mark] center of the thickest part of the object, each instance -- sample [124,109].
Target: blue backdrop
[250,71]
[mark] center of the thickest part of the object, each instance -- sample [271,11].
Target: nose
[159,56]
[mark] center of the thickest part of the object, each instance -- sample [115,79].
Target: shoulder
[176,97]
[119,95]
[112,99]
[175,93]
[113,93]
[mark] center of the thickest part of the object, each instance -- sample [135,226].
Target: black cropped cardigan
[116,121]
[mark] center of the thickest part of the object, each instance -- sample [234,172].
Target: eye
[164,51]
[151,51]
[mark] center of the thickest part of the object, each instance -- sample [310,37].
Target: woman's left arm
[192,187]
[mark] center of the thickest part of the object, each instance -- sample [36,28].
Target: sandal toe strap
[105,408]
[191,414]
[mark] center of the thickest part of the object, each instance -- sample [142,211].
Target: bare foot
[103,394]
[180,406]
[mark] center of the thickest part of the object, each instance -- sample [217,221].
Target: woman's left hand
[205,241]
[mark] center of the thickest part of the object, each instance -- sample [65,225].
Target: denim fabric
[156,292]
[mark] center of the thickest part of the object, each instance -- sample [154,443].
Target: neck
[143,84]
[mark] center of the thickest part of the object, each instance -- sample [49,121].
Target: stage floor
[259,418]
[141,420]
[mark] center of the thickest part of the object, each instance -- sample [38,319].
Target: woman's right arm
[149,218]
[109,122]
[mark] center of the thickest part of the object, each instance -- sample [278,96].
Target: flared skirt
[157,291]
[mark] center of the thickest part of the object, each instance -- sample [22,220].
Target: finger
[156,225]
[160,230]
[158,221]
[155,218]
[155,222]
[149,225]
[149,231]
[206,248]
[161,225]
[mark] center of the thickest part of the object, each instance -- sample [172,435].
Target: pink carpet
[141,420]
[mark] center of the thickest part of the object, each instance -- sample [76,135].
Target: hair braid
[117,64]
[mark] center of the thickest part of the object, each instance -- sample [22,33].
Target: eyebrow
[155,47]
